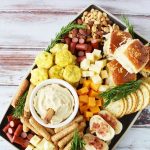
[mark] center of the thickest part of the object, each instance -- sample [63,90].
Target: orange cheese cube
[81,104]
[93,93]
[95,109]
[83,108]
[91,102]
[94,86]
[86,83]
[82,91]
[99,102]
[88,114]
[84,98]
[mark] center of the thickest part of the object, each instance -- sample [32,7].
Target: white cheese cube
[95,68]
[101,63]
[104,74]
[29,147]
[97,54]
[103,88]
[35,140]
[90,57]
[96,79]
[85,64]
[87,73]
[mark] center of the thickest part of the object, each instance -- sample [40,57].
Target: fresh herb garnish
[62,32]
[18,111]
[77,142]
[120,91]
[128,25]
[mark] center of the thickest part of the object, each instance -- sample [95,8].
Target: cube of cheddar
[82,91]
[94,86]
[91,102]
[95,109]
[99,102]
[84,98]
[87,83]
[83,108]
[104,74]
[93,93]
[88,114]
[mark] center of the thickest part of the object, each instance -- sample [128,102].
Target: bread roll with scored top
[132,55]
[119,75]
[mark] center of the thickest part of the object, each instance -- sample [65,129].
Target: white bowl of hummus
[54,103]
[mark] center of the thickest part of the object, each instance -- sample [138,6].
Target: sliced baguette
[146,95]
[102,129]
[116,108]
[111,120]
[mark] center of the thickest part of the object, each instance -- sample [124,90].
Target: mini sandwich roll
[64,132]
[77,119]
[40,128]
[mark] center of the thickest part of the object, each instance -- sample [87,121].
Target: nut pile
[97,21]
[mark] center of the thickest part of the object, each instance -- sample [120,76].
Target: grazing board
[127,121]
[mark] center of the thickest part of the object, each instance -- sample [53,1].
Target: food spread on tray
[109,70]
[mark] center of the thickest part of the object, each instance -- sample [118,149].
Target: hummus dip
[57,98]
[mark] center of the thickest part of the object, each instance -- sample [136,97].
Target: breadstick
[25,128]
[68,146]
[77,119]
[66,139]
[26,123]
[40,128]
[27,114]
[64,132]
[49,115]
[22,88]
[26,107]
[51,131]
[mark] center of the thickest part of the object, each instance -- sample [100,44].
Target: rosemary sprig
[18,111]
[120,92]
[62,32]
[77,142]
[128,25]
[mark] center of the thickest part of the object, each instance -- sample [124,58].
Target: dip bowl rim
[64,84]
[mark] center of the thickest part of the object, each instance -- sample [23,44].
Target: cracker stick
[27,114]
[77,119]
[40,128]
[49,115]
[26,123]
[25,128]
[51,131]
[26,107]
[68,146]
[21,89]
[64,132]
[65,140]
[68,138]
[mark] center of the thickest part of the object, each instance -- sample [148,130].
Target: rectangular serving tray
[127,121]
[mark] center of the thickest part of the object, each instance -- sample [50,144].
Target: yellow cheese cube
[104,74]
[96,79]
[90,57]
[95,68]
[29,147]
[87,73]
[103,88]
[97,54]
[101,63]
[35,140]
[85,64]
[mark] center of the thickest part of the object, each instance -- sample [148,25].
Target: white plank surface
[26,27]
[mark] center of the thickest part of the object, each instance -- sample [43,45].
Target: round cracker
[147,84]
[140,100]
[146,95]
[116,108]
[125,107]
[129,104]
[135,102]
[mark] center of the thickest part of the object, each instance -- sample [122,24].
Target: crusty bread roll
[146,70]
[132,55]
[119,75]
[114,40]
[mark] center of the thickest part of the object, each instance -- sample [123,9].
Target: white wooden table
[26,27]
